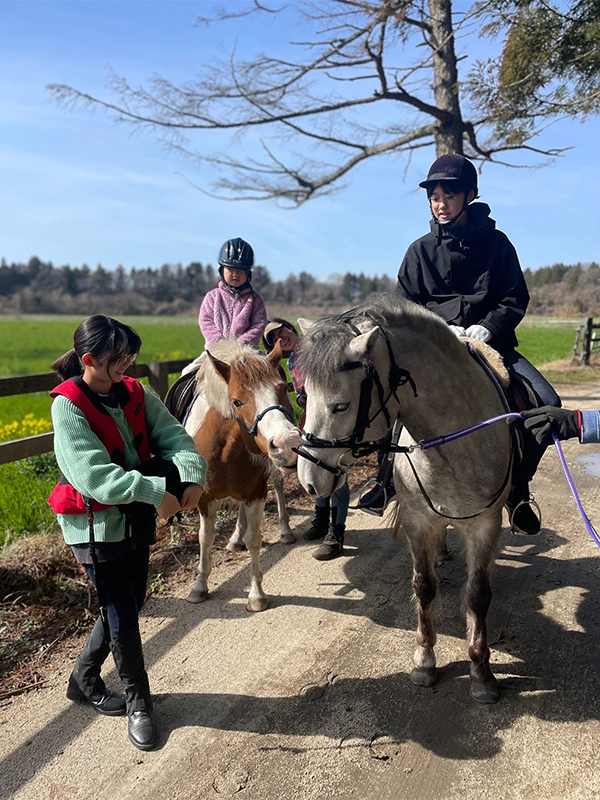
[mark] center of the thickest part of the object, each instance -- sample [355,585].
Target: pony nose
[283,442]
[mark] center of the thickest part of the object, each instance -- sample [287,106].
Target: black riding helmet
[452,167]
[237,254]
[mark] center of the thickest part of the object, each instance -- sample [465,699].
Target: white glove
[479,332]
[457,330]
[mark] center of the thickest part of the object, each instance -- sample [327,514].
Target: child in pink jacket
[233,309]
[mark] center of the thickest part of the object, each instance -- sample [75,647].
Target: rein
[254,429]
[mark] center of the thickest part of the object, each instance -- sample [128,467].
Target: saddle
[181,395]
[516,394]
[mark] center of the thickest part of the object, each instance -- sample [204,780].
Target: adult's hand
[544,421]
[479,332]
[191,496]
[169,506]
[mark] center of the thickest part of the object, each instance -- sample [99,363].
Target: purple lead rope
[591,530]
[426,444]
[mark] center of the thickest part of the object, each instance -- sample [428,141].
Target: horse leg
[236,542]
[480,550]
[257,599]
[442,552]
[206,536]
[285,536]
[425,585]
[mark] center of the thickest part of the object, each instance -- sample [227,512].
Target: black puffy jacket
[469,276]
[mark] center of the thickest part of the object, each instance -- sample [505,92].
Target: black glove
[544,421]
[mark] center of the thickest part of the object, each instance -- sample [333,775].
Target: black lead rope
[94,557]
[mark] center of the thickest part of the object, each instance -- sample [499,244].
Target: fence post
[587,340]
[158,377]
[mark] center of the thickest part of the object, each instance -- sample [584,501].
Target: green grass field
[31,343]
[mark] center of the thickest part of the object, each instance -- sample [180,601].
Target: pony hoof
[287,538]
[424,676]
[485,692]
[257,604]
[196,596]
[235,547]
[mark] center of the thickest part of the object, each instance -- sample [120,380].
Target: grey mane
[323,350]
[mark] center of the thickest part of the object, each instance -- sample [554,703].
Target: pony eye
[237,403]
[339,408]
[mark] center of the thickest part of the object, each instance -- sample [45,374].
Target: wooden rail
[157,373]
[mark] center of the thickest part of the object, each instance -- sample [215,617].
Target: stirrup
[530,501]
[376,512]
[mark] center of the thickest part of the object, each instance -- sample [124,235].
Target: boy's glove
[458,330]
[547,419]
[479,332]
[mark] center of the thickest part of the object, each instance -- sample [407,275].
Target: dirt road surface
[312,699]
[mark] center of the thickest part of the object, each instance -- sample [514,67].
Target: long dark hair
[102,337]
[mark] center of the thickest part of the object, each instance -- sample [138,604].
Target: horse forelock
[323,350]
[251,368]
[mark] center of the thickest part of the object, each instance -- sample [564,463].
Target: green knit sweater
[85,462]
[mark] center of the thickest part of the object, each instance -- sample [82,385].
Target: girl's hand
[191,496]
[169,506]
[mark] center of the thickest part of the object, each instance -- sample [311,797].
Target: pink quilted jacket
[224,314]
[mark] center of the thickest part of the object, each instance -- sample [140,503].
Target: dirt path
[312,699]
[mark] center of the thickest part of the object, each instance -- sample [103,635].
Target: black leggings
[123,587]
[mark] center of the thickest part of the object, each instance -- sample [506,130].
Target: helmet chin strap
[451,222]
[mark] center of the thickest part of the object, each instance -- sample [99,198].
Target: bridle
[353,441]
[254,429]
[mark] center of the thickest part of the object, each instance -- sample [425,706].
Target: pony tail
[67,366]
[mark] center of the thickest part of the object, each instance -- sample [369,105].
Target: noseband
[353,442]
[254,429]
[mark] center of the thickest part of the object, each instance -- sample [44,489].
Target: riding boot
[85,684]
[333,544]
[129,659]
[522,517]
[319,523]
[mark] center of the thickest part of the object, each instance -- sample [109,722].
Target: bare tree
[373,78]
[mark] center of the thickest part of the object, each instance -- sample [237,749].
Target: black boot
[85,684]
[520,505]
[333,544]
[129,659]
[319,524]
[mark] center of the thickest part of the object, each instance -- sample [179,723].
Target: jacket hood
[479,224]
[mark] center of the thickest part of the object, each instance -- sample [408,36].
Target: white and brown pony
[242,423]
[391,359]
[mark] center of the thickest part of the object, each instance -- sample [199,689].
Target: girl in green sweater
[107,427]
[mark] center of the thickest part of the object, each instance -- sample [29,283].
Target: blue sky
[76,188]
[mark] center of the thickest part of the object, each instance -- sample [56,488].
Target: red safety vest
[64,498]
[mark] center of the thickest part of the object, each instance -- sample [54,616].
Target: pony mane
[322,350]
[250,365]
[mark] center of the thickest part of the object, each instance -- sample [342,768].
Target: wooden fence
[586,342]
[157,373]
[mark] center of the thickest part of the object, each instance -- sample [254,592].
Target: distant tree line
[566,290]
[39,287]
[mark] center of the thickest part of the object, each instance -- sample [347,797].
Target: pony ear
[361,345]
[276,354]
[305,324]
[222,368]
